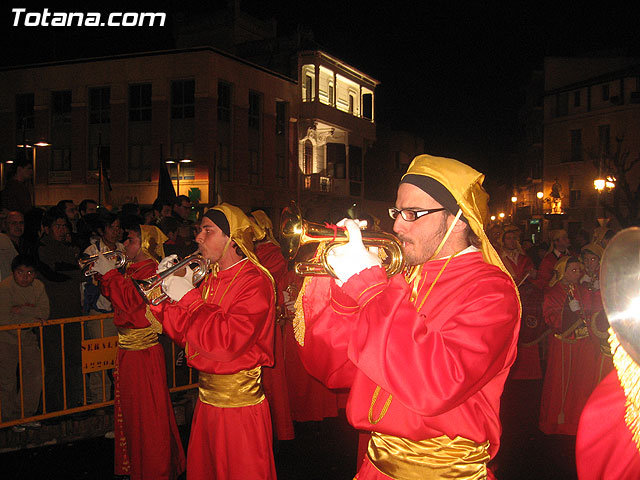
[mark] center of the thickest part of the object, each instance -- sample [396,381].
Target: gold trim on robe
[137,338]
[430,459]
[241,389]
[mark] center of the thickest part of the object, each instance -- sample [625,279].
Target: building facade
[253,137]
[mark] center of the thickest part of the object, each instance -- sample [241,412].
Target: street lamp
[177,162]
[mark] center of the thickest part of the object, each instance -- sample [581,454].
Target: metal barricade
[97,355]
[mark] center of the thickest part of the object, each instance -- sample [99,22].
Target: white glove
[574,305]
[177,287]
[351,258]
[585,278]
[102,265]
[596,284]
[167,262]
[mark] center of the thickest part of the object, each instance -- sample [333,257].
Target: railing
[106,357]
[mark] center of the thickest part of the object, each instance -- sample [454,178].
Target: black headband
[436,190]
[217,217]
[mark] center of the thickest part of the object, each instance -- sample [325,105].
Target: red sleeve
[328,317]
[433,361]
[223,334]
[605,449]
[553,306]
[124,297]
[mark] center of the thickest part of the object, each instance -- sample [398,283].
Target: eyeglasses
[412,215]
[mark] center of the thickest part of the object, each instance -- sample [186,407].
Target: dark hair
[179,199]
[53,214]
[98,222]
[83,204]
[23,259]
[63,204]
[130,209]
[131,223]
[169,225]
[161,202]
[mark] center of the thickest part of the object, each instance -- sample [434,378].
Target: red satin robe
[545,270]
[310,400]
[605,449]
[571,366]
[527,364]
[444,362]
[593,306]
[229,331]
[274,378]
[147,441]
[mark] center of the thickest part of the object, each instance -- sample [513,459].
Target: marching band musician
[425,354]
[274,378]
[226,327]
[573,355]
[147,441]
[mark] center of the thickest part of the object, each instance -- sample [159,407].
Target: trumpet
[148,287]
[87,263]
[297,232]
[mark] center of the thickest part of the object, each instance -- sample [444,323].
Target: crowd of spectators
[44,246]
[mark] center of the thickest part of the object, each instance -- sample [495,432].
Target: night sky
[450,72]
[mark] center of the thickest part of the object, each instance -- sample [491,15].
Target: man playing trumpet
[226,326]
[147,441]
[425,355]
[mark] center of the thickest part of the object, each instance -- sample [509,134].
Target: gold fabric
[240,389]
[465,184]
[593,248]
[241,231]
[152,240]
[265,226]
[629,377]
[137,338]
[430,459]
[558,270]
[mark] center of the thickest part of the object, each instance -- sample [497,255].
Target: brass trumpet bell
[148,287]
[87,263]
[296,232]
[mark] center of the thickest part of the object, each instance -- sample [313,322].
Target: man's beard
[429,246]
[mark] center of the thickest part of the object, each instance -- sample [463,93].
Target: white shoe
[18,428]
[109,435]
[32,424]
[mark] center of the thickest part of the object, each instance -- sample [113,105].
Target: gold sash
[240,389]
[430,459]
[137,338]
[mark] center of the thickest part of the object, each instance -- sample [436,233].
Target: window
[562,104]
[255,100]
[24,111]
[99,105]
[605,92]
[183,99]
[308,82]
[140,103]
[225,168]
[308,157]
[281,118]
[574,198]
[355,163]
[61,107]
[255,168]
[224,102]
[576,146]
[337,158]
[60,159]
[576,99]
[332,95]
[99,154]
[351,103]
[604,139]
[139,163]
[367,106]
